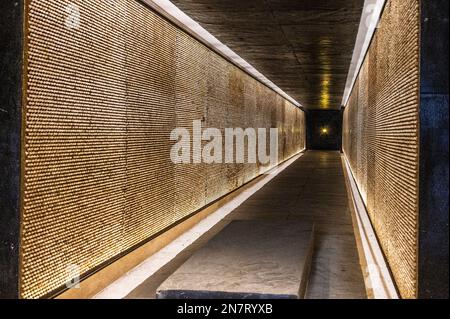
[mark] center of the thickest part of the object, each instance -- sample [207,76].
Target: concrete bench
[257,259]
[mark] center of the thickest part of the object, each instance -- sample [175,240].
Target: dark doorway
[324,130]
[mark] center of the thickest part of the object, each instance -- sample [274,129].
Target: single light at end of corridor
[324,130]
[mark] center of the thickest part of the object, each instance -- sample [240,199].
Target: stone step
[252,259]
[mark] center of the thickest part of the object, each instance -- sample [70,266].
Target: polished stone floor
[311,189]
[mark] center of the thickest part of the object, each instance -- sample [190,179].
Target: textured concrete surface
[311,189]
[251,259]
[11,35]
[305,47]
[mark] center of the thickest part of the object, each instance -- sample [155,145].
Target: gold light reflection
[325,100]
[325,64]
[325,94]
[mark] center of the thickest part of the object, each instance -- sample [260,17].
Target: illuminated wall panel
[235,172]
[250,120]
[216,116]
[106,83]
[191,100]
[75,142]
[151,116]
[381,138]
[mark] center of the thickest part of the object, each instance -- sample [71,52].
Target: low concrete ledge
[247,260]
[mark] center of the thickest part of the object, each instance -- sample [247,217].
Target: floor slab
[252,259]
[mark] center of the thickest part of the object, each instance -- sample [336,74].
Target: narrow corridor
[311,189]
[135,134]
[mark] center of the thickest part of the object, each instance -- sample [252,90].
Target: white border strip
[171,12]
[131,280]
[379,277]
[369,22]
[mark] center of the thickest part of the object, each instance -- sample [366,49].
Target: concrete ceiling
[303,46]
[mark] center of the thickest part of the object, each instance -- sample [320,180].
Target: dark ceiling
[303,46]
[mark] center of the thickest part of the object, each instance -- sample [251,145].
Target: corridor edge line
[378,278]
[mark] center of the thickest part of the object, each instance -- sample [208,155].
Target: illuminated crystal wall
[106,82]
[381,138]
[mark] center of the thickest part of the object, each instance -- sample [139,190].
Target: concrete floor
[311,189]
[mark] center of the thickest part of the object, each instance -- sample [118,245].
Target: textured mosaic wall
[107,81]
[381,137]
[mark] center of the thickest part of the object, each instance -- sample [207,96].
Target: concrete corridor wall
[381,138]
[106,82]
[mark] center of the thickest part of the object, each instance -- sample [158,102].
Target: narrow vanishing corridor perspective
[224,150]
[312,189]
